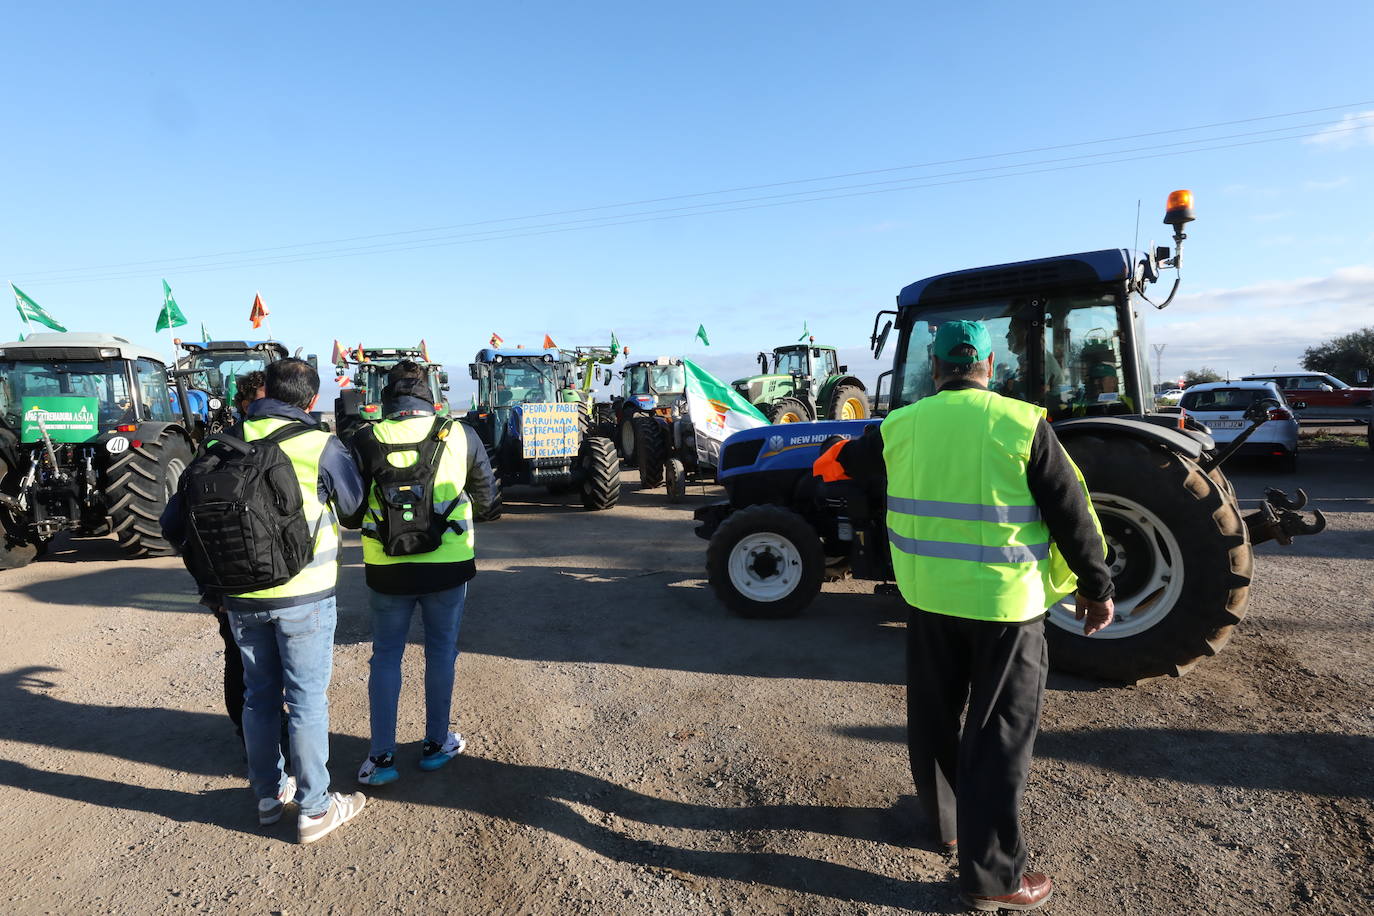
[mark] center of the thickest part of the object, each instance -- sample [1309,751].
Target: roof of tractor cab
[76,345]
[802,346]
[194,345]
[488,355]
[1021,276]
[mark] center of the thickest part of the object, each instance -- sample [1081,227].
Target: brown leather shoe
[1034,891]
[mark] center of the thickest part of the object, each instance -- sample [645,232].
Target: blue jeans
[288,653]
[441,613]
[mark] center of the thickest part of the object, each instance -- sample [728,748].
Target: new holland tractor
[656,427]
[1066,336]
[90,443]
[536,428]
[211,369]
[807,382]
[360,402]
[648,388]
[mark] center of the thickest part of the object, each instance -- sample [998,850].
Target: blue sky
[148,137]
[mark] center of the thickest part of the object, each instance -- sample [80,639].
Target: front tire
[675,479]
[627,442]
[1180,558]
[790,410]
[652,454]
[765,562]
[601,474]
[141,481]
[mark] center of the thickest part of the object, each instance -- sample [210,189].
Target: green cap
[955,334]
[1102,370]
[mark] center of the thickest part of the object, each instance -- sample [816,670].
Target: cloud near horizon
[1356,129]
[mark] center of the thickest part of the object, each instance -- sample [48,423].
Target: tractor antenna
[1135,245]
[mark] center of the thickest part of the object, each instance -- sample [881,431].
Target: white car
[1221,407]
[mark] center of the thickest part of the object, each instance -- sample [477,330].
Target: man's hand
[1098,613]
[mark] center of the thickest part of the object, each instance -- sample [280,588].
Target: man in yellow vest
[425,478]
[285,634]
[988,523]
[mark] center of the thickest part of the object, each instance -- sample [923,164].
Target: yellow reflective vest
[966,535]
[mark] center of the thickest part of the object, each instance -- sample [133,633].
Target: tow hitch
[1278,518]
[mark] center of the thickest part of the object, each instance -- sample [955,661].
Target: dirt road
[634,749]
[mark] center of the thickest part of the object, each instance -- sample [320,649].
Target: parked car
[1168,397]
[1221,406]
[1325,396]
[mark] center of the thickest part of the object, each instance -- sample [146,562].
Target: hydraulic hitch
[1278,518]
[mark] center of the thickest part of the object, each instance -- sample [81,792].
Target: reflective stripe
[973,553]
[965,512]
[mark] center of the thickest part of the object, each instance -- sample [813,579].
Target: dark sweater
[1052,482]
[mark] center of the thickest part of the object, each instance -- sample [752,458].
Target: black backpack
[245,522]
[407,523]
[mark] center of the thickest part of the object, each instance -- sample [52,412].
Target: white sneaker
[342,808]
[433,756]
[270,809]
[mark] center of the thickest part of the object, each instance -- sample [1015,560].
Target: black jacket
[1052,482]
[424,578]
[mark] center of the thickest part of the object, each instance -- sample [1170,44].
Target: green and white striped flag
[717,412]
[31,311]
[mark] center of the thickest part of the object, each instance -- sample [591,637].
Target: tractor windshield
[371,379]
[1063,352]
[790,362]
[217,372]
[656,379]
[521,382]
[100,387]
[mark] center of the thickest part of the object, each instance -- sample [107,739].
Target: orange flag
[259,311]
[424,351]
[549,344]
[362,357]
[496,341]
[340,354]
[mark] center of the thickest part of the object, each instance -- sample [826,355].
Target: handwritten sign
[549,430]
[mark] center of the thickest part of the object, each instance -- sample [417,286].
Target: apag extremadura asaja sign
[66,419]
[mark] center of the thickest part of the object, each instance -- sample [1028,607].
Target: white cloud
[1254,328]
[1353,130]
[1331,185]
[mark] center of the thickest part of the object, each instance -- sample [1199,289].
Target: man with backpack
[256,517]
[423,477]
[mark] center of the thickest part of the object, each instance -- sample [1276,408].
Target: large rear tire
[652,454]
[848,402]
[601,474]
[141,481]
[765,562]
[1180,557]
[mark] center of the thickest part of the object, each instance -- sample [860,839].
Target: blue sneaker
[378,771]
[433,756]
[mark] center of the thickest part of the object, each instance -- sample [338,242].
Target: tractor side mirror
[763,363]
[314,362]
[1259,411]
[844,369]
[443,380]
[882,341]
[472,371]
[610,375]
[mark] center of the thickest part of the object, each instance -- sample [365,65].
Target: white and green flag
[31,311]
[717,412]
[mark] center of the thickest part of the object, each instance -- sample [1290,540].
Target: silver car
[1221,407]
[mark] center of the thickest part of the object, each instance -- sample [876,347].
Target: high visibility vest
[321,574]
[449,479]
[966,535]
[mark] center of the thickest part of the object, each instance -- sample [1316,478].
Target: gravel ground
[634,749]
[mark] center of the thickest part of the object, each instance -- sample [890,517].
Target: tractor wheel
[675,479]
[601,474]
[765,561]
[848,402]
[497,502]
[790,410]
[653,452]
[603,421]
[1180,557]
[140,482]
[627,442]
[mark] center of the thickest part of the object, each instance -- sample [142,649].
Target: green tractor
[92,442]
[360,400]
[535,425]
[583,374]
[211,369]
[807,383]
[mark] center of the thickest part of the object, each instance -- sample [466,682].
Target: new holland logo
[775,443]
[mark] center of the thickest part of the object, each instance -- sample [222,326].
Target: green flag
[701,332]
[204,334]
[615,346]
[31,311]
[805,333]
[170,316]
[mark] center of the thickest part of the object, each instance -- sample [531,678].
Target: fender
[1185,442]
[828,388]
[784,447]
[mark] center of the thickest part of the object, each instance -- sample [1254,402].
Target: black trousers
[233,673]
[970,777]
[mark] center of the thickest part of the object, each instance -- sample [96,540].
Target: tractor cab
[508,378]
[211,370]
[360,397]
[654,385]
[1070,345]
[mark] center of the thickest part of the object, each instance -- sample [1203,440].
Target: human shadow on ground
[544,797]
[1313,763]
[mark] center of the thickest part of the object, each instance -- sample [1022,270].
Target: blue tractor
[538,428]
[1066,336]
